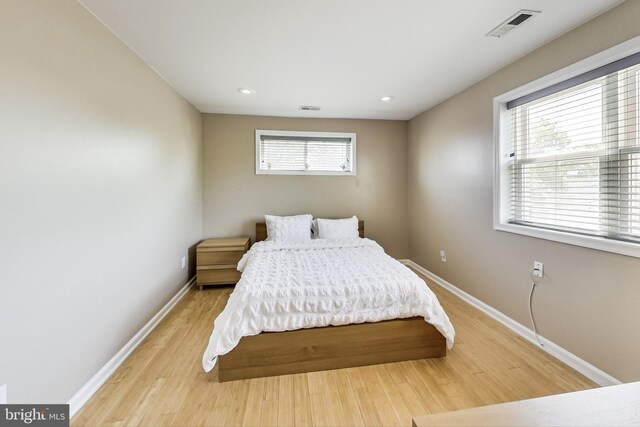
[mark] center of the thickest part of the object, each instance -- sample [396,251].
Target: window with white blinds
[570,157]
[305,153]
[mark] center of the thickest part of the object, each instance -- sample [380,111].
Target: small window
[305,153]
[569,159]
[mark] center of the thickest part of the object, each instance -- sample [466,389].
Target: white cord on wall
[533,320]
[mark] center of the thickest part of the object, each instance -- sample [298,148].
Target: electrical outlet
[538,269]
[443,256]
[184,262]
[3,394]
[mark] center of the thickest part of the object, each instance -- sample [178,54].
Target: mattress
[293,285]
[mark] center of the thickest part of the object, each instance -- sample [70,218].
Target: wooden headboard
[261,230]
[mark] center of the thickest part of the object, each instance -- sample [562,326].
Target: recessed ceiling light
[386,98]
[246,91]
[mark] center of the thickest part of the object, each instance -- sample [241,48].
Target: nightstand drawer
[219,257]
[218,275]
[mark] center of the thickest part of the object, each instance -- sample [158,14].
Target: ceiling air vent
[512,22]
[309,108]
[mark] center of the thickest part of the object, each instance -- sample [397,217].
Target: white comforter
[287,286]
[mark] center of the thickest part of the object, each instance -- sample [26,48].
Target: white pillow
[288,228]
[338,229]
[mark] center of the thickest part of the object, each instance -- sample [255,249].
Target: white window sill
[598,243]
[314,173]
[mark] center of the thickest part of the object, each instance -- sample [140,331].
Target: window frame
[501,201]
[303,134]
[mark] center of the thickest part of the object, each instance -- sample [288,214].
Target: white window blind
[574,154]
[305,153]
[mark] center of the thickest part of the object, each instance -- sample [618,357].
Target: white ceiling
[342,55]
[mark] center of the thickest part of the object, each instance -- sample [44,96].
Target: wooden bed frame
[331,347]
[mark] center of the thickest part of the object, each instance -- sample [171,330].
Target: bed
[376,331]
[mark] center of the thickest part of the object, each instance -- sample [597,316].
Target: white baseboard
[588,370]
[84,394]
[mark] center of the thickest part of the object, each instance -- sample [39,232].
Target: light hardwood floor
[162,382]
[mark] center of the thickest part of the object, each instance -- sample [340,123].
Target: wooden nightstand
[217,260]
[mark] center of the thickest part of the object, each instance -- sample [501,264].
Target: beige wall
[100,196]
[588,301]
[234,197]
